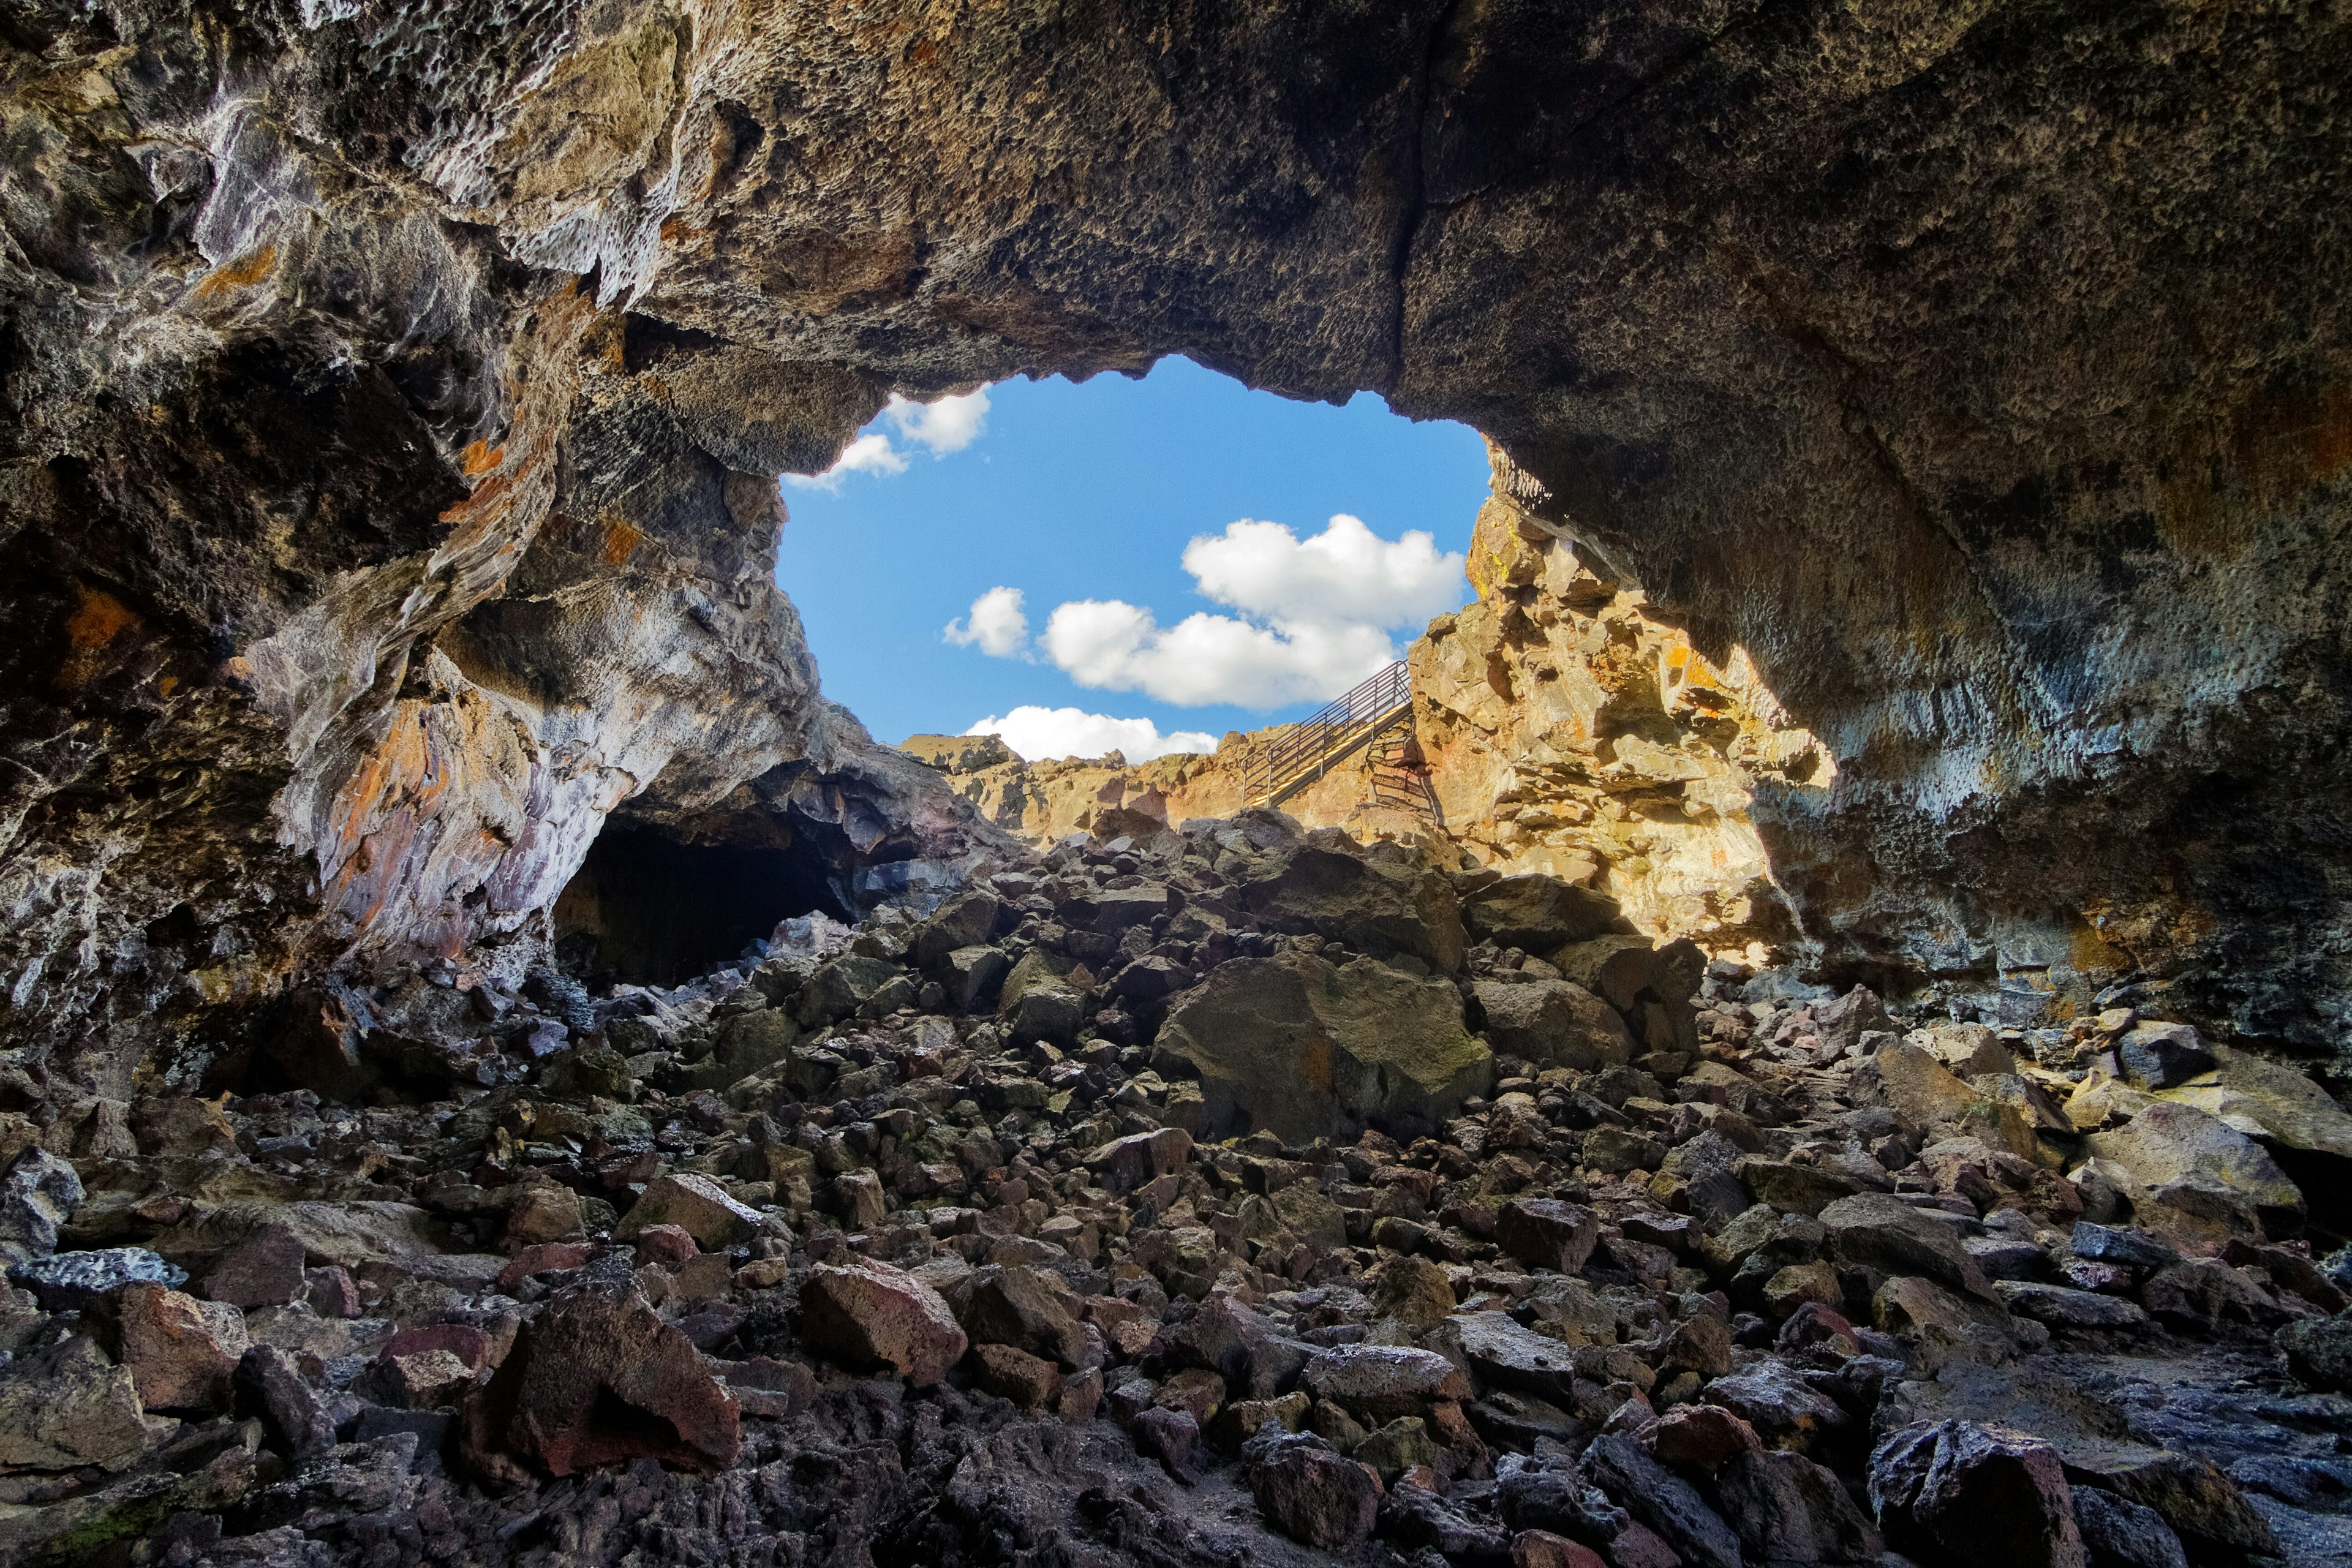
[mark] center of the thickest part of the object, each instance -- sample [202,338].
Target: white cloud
[1346,574]
[1205,658]
[1315,617]
[1040,732]
[948,425]
[866,455]
[996,623]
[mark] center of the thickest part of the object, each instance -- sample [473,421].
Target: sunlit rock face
[395,396]
[1558,725]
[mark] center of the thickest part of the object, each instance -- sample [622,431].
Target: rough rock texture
[914,1283]
[394,408]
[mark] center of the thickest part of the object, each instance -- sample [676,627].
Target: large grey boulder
[1553,1023]
[1377,906]
[1306,1050]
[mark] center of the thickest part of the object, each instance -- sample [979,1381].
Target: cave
[646,908]
[396,403]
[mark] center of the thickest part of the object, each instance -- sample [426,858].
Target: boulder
[1966,1051]
[2197,1497]
[1841,1024]
[1547,1232]
[2319,1351]
[1124,1164]
[264,1269]
[1308,1492]
[269,1386]
[1241,1347]
[66,1407]
[597,1379]
[1930,1101]
[39,1194]
[1383,1381]
[1171,1436]
[1877,1231]
[1700,1438]
[1412,1290]
[1982,1494]
[1014,1375]
[1015,1305]
[1539,913]
[2162,1056]
[2194,1177]
[1786,1508]
[76,1281]
[181,1352]
[1662,1500]
[841,986]
[871,1314]
[973,976]
[1553,1023]
[1053,1013]
[1542,1549]
[1383,909]
[1306,1050]
[2063,1307]
[1512,1356]
[2120,1534]
[965,921]
[696,1204]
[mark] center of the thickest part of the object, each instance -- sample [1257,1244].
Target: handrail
[1304,751]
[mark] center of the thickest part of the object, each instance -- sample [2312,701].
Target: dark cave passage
[648,910]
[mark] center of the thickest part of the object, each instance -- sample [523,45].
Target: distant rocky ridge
[1563,727]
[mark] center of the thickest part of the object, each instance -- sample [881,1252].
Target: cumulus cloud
[867,454]
[950,424]
[995,624]
[1205,658]
[1038,733]
[1315,617]
[1345,575]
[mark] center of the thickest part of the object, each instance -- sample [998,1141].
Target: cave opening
[648,909]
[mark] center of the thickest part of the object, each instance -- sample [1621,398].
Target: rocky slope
[394,397]
[1238,1195]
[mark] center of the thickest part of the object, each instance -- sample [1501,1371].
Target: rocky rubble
[1176,1196]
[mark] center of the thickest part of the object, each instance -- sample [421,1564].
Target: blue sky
[1084,498]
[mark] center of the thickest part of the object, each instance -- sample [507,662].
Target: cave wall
[395,392]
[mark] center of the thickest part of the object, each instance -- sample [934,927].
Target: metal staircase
[1377,712]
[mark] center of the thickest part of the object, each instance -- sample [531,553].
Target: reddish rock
[1014,1375]
[1700,1438]
[548,1258]
[1309,1493]
[331,1292]
[1079,1396]
[264,1269]
[1542,1549]
[181,1352]
[600,1380]
[667,1245]
[1547,1232]
[872,1314]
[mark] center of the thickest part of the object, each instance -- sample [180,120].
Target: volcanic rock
[872,1314]
[1305,1050]
[600,1380]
